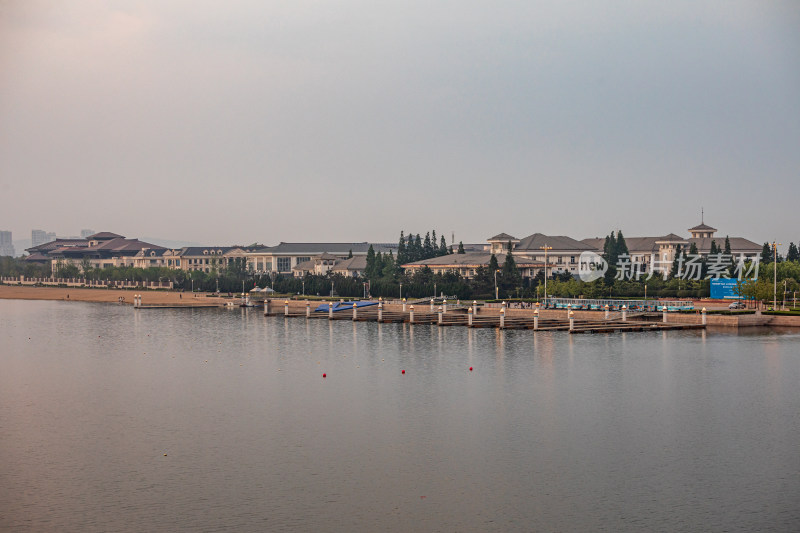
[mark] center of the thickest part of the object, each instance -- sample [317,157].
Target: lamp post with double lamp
[775,274]
[545,248]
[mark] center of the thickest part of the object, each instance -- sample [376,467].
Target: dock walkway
[459,318]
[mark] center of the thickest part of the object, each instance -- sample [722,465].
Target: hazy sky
[242,121]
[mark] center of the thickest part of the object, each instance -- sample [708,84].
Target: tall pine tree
[766,254]
[620,244]
[402,258]
[792,254]
[370,269]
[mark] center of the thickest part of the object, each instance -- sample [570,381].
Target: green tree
[620,245]
[673,273]
[370,269]
[792,254]
[418,249]
[493,265]
[402,257]
[427,247]
[766,254]
[86,267]
[610,250]
[443,250]
[511,277]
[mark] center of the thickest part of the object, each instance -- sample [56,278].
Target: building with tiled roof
[466,264]
[192,258]
[322,264]
[282,258]
[662,250]
[560,253]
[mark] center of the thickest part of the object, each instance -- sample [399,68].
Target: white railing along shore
[82,282]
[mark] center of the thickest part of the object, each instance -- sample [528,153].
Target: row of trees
[415,248]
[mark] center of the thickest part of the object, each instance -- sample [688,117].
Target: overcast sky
[242,121]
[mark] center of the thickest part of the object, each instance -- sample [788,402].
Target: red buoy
[324,375]
[470,369]
[402,371]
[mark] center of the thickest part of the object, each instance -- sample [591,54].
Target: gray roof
[358,262]
[157,252]
[648,244]
[198,250]
[502,237]
[702,227]
[670,238]
[560,243]
[317,248]
[104,235]
[738,245]
[470,259]
[58,243]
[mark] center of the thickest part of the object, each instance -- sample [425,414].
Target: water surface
[219,420]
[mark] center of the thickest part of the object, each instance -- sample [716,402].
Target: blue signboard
[724,288]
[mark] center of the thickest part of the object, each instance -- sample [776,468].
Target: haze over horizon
[265,121]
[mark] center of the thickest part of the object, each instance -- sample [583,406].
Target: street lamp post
[304,287]
[775,274]
[496,294]
[545,248]
[783,305]
[401,291]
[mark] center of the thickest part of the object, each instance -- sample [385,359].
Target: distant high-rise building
[6,244]
[40,237]
[86,232]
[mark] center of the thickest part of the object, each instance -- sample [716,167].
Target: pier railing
[82,282]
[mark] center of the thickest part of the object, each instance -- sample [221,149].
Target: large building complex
[659,252]
[562,254]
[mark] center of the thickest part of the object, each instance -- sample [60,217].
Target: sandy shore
[13,292]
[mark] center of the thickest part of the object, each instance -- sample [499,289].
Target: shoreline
[165,297]
[172,298]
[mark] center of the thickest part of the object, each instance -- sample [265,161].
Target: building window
[302,260]
[572,260]
[284,264]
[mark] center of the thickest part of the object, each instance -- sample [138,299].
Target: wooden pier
[488,320]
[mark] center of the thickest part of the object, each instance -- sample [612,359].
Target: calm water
[680,431]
